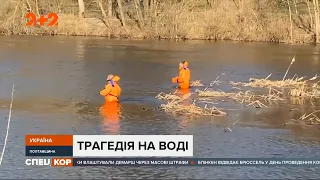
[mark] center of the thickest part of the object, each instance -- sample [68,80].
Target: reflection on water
[80,48]
[110,113]
[57,80]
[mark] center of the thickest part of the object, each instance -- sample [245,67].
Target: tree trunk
[152,10]
[102,9]
[145,8]
[109,8]
[210,3]
[309,10]
[121,13]
[317,20]
[151,5]
[37,8]
[81,8]
[291,25]
[139,13]
[106,20]
[295,6]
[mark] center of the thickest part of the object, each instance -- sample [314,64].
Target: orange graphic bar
[62,162]
[49,140]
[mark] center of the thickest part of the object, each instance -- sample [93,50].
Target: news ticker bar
[175,162]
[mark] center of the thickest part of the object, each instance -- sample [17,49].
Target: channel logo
[50,162]
[38,162]
[62,162]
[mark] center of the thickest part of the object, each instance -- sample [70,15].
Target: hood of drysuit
[185,64]
[116,78]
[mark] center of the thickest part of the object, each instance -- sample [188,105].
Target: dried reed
[211,93]
[300,88]
[216,81]
[242,97]
[169,96]
[245,97]
[274,95]
[311,118]
[268,83]
[294,82]
[176,108]
[306,92]
[196,83]
[292,61]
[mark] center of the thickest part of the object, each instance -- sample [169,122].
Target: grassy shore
[225,20]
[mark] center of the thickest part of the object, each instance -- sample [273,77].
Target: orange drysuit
[184,91]
[184,77]
[110,113]
[112,90]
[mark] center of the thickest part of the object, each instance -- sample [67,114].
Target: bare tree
[121,13]
[105,18]
[291,24]
[139,13]
[295,6]
[145,8]
[309,10]
[109,8]
[317,20]
[81,8]
[37,8]
[102,9]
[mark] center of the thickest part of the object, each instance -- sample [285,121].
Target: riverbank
[223,21]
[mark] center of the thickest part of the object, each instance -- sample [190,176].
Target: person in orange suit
[110,113]
[184,76]
[112,90]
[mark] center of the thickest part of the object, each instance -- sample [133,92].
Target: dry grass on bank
[223,20]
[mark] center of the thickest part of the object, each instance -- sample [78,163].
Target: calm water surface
[58,79]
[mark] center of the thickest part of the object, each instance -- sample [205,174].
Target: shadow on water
[58,80]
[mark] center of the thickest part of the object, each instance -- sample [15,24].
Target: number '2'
[33,20]
[54,21]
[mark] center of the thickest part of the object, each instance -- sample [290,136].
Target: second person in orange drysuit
[112,90]
[184,76]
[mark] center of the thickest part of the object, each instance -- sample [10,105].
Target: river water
[57,82]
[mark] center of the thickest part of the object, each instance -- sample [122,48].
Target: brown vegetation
[175,106]
[295,21]
[196,83]
[301,88]
[253,82]
[310,119]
